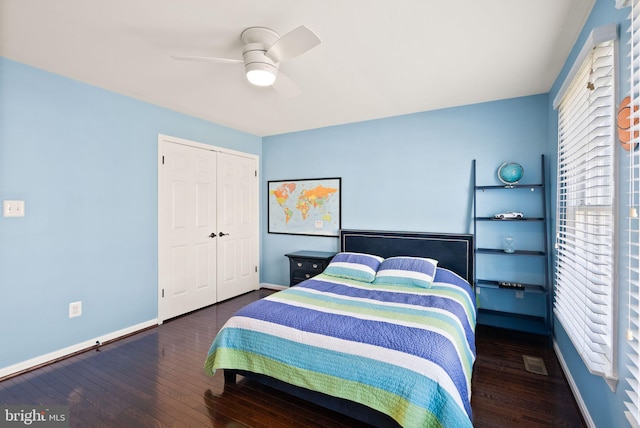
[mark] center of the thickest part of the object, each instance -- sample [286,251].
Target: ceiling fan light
[261,74]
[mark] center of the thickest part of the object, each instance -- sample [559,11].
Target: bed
[385,334]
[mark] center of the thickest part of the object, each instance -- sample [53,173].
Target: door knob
[213,235]
[222,234]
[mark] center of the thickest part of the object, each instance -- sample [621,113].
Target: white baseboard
[52,356]
[272,286]
[574,388]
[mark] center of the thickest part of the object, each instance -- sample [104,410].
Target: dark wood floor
[156,379]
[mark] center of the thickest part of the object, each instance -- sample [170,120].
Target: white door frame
[166,138]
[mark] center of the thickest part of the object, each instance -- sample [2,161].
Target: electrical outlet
[13,208]
[75,309]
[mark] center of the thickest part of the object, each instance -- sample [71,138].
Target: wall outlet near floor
[75,309]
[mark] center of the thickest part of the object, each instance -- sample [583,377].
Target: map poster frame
[314,224]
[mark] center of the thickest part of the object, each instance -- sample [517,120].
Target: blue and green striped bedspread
[405,351]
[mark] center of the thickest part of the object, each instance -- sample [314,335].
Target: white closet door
[187,220]
[238,223]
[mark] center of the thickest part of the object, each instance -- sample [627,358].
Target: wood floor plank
[156,379]
[141,387]
[133,405]
[505,394]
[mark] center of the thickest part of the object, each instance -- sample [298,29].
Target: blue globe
[510,172]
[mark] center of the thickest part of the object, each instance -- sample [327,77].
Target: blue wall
[409,172]
[84,160]
[606,407]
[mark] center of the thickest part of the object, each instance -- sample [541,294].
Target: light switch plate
[13,208]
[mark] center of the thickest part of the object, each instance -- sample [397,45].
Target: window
[585,218]
[632,246]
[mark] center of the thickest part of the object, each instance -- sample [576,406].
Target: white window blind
[632,402]
[585,217]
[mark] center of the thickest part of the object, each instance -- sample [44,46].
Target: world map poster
[305,207]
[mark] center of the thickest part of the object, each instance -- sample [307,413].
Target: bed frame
[453,252]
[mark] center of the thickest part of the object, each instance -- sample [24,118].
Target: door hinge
[162,160]
[163,293]
[256,269]
[256,171]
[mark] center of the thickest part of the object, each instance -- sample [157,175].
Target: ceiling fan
[262,53]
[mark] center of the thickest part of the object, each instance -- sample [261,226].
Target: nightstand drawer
[302,269]
[307,264]
[299,276]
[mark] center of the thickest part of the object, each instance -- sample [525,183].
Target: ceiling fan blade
[207,59]
[292,44]
[285,86]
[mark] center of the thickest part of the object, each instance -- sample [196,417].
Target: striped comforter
[405,351]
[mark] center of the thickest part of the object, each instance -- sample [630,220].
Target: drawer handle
[299,264]
[315,266]
[307,275]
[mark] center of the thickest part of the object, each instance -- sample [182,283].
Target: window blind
[632,401]
[585,217]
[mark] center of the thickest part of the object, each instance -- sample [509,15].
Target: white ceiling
[378,58]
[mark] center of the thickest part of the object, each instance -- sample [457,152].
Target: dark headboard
[453,251]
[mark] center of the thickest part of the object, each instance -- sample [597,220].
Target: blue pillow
[357,266]
[403,270]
